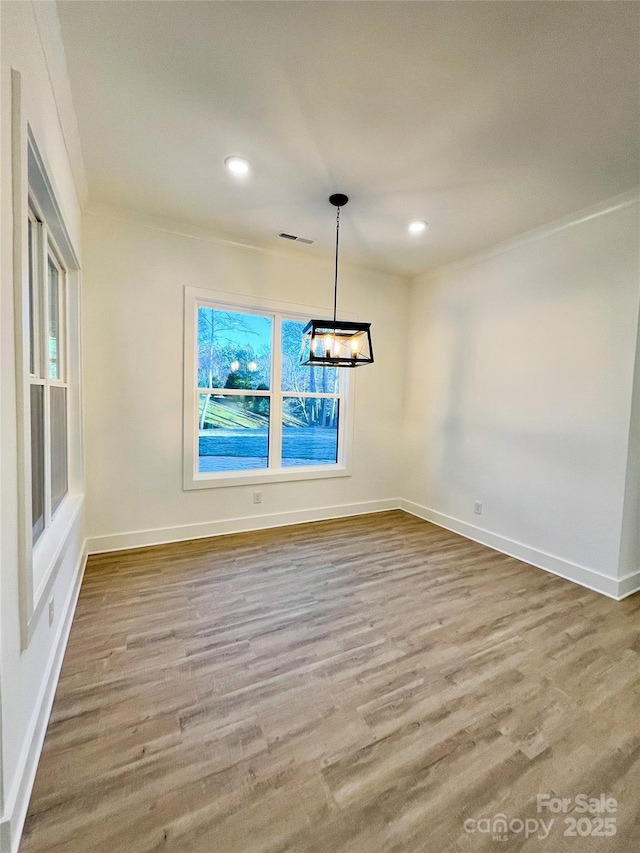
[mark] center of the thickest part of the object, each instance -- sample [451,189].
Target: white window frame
[44,249]
[34,197]
[195,298]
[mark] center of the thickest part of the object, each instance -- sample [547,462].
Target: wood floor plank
[363,685]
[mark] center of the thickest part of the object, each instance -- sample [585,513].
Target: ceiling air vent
[286,236]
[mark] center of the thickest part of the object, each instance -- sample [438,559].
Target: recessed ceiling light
[417,226]
[237,165]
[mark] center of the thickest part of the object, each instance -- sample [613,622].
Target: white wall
[134,275]
[519,395]
[629,563]
[27,678]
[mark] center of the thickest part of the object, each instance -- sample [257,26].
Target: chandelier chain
[335,285]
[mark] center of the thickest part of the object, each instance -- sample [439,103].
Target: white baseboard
[162,535]
[18,801]
[628,584]
[589,578]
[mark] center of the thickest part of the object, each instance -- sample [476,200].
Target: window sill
[256,478]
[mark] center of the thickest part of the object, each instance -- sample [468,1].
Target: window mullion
[344,420]
[39,267]
[43,289]
[63,319]
[34,296]
[312,395]
[275,408]
[233,392]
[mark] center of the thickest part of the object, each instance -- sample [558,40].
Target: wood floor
[351,686]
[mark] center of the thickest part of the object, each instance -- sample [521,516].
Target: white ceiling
[485,118]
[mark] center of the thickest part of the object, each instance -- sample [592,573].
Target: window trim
[39,563]
[45,249]
[192,478]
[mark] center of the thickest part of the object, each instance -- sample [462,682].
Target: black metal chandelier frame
[336,343]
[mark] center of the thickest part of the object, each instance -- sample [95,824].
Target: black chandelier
[336,343]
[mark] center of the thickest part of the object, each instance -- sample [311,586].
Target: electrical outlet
[51,611]
[257,497]
[477,507]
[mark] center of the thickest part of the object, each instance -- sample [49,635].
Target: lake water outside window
[246,424]
[309,431]
[234,432]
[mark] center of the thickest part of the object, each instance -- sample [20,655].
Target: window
[47,376]
[48,398]
[252,412]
